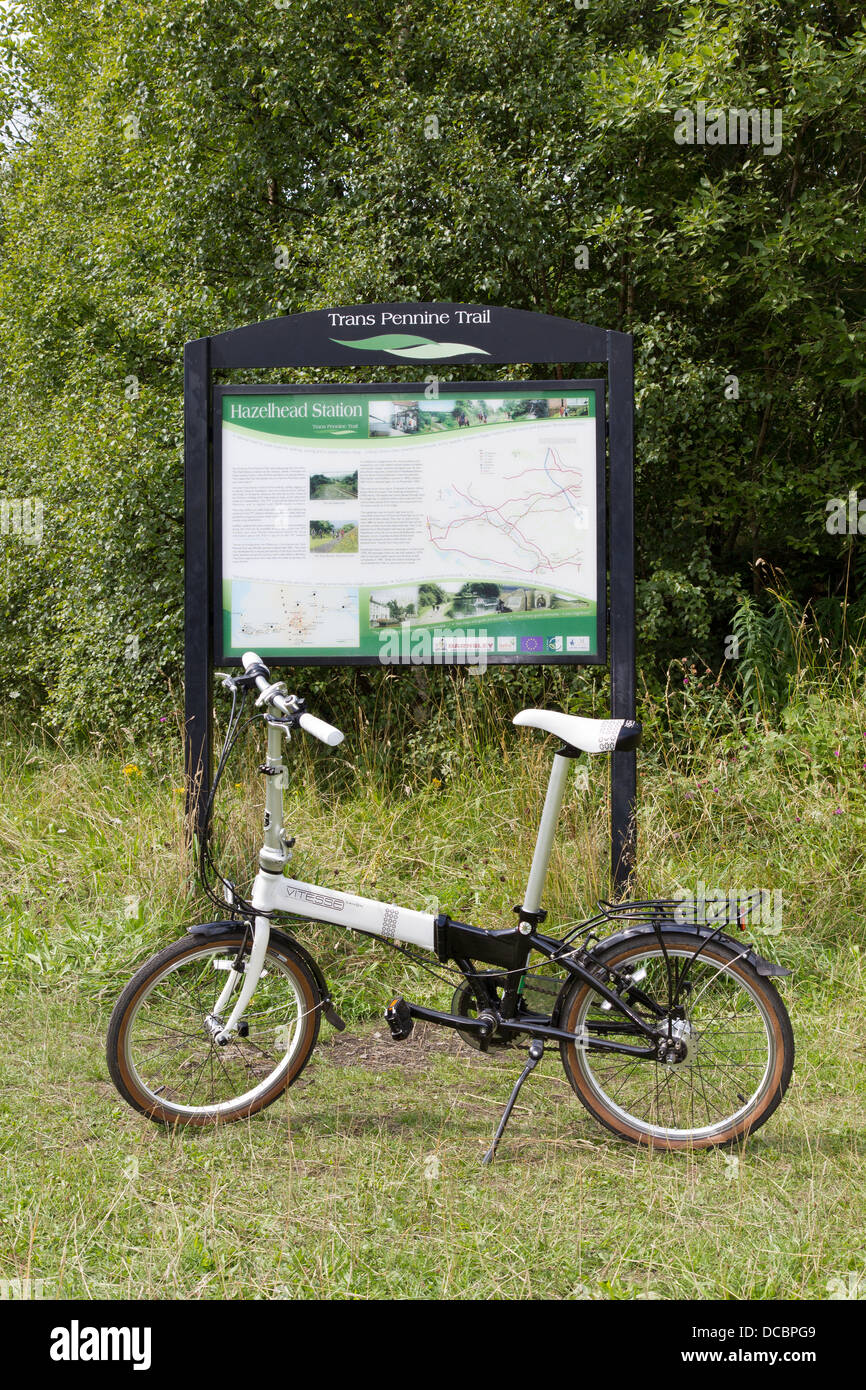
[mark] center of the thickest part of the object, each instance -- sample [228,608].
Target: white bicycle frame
[274,892]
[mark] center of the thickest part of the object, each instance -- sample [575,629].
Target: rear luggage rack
[736,911]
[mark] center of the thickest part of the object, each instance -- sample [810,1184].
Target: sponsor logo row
[479,642]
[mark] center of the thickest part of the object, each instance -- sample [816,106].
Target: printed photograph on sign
[333,486]
[401,417]
[470,518]
[333,537]
[434,603]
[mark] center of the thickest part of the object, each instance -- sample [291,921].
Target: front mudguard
[279,937]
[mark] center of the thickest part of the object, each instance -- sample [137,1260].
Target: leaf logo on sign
[409,345]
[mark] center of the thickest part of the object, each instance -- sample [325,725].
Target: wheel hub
[677,1041]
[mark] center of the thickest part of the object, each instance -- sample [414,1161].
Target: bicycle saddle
[587,735]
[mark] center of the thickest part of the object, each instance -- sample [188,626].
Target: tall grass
[432,802]
[779,648]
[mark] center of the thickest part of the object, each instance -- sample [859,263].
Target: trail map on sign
[291,615]
[350,521]
[513,522]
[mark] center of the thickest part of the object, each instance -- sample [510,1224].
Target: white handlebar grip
[250,659]
[319,729]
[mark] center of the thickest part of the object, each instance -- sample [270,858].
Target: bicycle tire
[192,973]
[667,1092]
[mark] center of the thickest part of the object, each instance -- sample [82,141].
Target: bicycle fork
[273,855]
[247,977]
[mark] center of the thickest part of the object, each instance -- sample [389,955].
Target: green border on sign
[539,626]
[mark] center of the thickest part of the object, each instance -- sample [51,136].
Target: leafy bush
[172,170]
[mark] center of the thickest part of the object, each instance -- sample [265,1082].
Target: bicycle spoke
[724,1054]
[184,1064]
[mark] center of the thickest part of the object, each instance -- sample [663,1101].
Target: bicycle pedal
[399,1019]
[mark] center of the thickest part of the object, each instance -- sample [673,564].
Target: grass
[364,1181]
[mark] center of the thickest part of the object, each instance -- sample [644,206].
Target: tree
[178,170]
[430,596]
[477,588]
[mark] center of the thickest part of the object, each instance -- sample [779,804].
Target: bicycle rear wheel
[163,1057]
[734,1030]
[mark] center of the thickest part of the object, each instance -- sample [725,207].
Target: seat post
[547,830]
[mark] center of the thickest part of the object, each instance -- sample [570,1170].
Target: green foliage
[776,647]
[176,169]
[765,654]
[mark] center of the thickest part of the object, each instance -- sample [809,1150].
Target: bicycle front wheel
[163,1057]
[734,1044]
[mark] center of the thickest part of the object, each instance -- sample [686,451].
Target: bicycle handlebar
[325,733]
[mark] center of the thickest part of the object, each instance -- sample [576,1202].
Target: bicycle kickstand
[536,1052]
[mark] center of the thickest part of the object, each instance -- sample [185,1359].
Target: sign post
[425,523]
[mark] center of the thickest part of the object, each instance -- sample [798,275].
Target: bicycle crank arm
[483,1026]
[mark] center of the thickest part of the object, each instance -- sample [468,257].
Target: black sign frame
[340,337]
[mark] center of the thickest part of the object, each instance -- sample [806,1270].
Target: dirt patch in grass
[375,1049]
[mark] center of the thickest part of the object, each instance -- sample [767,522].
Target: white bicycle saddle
[588,735]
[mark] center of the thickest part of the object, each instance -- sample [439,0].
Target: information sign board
[431,560]
[389,524]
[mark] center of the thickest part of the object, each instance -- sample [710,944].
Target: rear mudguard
[705,933]
[644,929]
[279,938]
